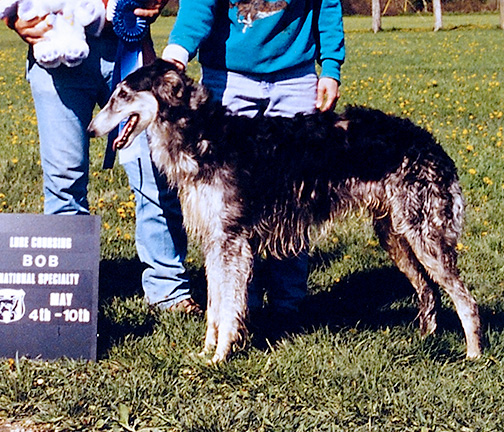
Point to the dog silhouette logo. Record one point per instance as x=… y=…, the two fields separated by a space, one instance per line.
x=12 y=306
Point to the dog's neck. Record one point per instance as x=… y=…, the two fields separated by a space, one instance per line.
x=175 y=137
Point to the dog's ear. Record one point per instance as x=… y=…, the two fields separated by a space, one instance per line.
x=177 y=89
x=172 y=88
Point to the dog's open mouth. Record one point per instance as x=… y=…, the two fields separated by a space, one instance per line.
x=126 y=132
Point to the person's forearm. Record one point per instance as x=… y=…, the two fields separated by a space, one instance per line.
x=192 y=27
x=331 y=38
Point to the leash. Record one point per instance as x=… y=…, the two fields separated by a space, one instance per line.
x=131 y=31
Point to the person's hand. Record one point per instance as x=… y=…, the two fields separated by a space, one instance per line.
x=152 y=9
x=180 y=66
x=177 y=55
x=328 y=93
x=32 y=31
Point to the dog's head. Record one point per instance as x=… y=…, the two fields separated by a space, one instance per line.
x=141 y=97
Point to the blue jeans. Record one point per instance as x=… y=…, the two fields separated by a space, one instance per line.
x=64 y=102
x=281 y=94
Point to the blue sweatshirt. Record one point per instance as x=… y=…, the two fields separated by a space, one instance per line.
x=261 y=36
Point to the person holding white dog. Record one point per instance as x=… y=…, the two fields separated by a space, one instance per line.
x=258 y=57
x=64 y=99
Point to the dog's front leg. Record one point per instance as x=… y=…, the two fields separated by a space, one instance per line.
x=229 y=267
x=213 y=300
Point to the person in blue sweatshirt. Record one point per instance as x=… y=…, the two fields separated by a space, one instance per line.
x=259 y=57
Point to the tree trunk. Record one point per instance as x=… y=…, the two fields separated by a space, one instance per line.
x=501 y=8
x=376 y=11
x=438 y=15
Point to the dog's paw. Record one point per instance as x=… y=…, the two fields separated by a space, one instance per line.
x=217 y=359
x=205 y=353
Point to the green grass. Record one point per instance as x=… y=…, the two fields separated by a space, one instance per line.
x=361 y=365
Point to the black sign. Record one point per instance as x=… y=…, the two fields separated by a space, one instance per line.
x=49 y=285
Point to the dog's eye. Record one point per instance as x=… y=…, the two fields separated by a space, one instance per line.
x=122 y=94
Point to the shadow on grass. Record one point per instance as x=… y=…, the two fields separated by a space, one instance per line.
x=374 y=299
x=123 y=279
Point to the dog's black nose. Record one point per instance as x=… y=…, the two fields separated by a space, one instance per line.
x=91 y=132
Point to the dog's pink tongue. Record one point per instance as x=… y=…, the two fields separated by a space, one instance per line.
x=118 y=143
x=125 y=132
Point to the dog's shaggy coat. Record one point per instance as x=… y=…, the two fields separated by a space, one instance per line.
x=249 y=185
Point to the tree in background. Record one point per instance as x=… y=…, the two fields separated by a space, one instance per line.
x=501 y=9
x=438 y=14
x=376 y=13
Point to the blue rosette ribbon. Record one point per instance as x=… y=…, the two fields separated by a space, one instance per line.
x=127 y=26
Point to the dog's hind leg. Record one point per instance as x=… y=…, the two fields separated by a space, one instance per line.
x=400 y=252
x=441 y=267
x=433 y=242
x=229 y=268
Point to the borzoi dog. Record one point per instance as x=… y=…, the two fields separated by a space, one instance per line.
x=249 y=185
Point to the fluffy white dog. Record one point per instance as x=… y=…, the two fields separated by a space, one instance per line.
x=65 y=43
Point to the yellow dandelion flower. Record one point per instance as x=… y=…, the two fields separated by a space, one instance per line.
x=472 y=171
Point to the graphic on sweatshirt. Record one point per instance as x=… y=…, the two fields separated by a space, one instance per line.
x=253 y=10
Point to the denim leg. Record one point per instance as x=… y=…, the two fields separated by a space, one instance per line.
x=287 y=283
x=64 y=106
x=160 y=237
x=293 y=95
x=288 y=277
x=64 y=101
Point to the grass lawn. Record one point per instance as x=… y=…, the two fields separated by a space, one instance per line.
x=360 y=365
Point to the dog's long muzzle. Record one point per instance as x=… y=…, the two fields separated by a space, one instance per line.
x=94 y=129
x=127 y=128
